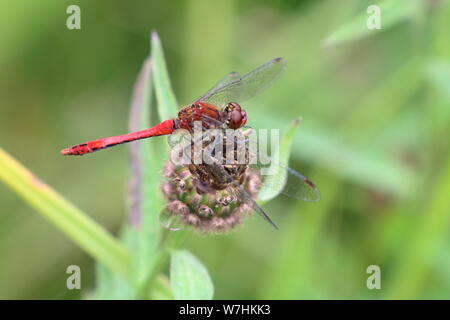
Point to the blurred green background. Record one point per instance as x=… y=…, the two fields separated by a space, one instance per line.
x=374 y=137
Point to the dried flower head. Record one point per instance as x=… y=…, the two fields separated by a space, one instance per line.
x=208 y=211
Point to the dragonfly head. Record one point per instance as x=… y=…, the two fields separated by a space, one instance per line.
x=235 y=116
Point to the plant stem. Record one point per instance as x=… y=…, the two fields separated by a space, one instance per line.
x=171 y=240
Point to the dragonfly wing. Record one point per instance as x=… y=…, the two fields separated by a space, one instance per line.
x=300 y=187
x=238 y=191
x=243 y=195
x=278 y=177
x=232 y=76
x=241 y=89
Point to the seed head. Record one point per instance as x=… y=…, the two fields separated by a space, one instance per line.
x=213 y=211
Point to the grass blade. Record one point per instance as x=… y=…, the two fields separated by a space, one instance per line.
x=79 y=227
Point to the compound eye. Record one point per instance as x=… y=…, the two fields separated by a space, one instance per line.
x=236 y=119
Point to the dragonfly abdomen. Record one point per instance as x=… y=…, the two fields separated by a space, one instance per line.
x=163 y=128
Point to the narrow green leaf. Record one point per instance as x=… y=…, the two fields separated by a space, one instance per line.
x=139 y=120
x=145 y=200
x=392 y=12
x=78 y=226
x=147 y=159
x=189 y=278
x=274 y=184
x=167 y=103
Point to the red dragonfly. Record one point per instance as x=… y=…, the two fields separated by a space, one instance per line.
x=218 y=109
x=230 y=89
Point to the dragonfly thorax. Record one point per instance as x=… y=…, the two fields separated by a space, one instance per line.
x=231 y=116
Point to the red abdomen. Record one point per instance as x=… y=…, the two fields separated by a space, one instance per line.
x=165 y=127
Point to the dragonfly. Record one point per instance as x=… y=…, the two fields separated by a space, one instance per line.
x=222 y=169
x=218 y=105
x=218 y=108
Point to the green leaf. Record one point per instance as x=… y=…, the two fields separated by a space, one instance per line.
x=144 y=184
x=78 y=226
x=161 y=289
x=189 y=278
x=110 y=285
x=146 y=200
x=167 y=103
x=392 y=12
x=275 y=183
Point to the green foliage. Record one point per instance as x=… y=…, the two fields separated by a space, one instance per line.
x=190 y=279
x=392 y=12
x=118 y=275
x=167 y=103
x=144 y=235
x=143 y=188
x=274 y=183
x=65 y=216
x=374 y=139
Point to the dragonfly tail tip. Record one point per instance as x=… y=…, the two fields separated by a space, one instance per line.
x=65 y=152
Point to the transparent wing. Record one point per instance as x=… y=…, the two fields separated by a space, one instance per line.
x=278 y=177
x=243 y=195
x=240 y=89
x=293 y=184
x=229 y=78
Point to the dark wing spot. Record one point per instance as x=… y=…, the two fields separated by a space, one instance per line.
x=310 y=183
